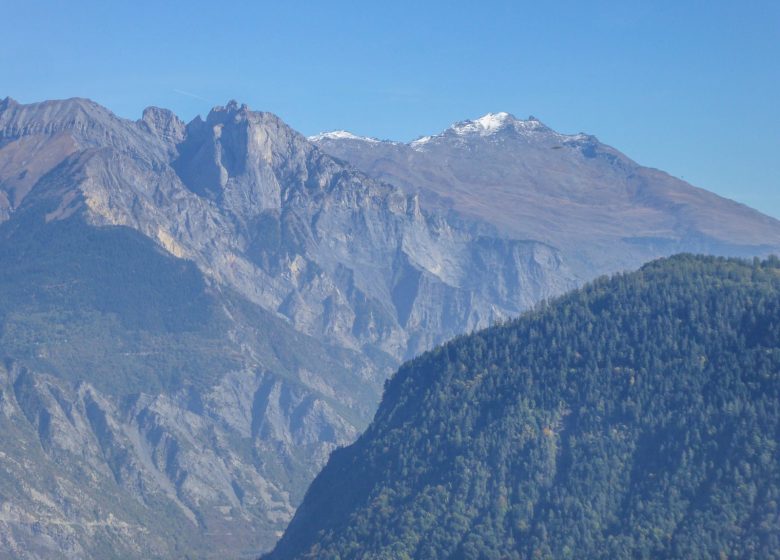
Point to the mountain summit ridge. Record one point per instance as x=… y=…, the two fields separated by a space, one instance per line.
x=486 y=125
x=585 y=198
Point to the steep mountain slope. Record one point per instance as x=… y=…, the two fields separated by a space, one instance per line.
x=602 y=210
x=194 y=315
x=147 y=412
x=638 y=417
x=256 y=206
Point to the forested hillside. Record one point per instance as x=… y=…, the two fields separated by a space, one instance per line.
x=638 y=417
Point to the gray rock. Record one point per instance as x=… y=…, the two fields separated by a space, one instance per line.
x=195 y=315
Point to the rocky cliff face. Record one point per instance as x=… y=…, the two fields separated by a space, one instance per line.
x=259 y=208
x=152 y=476
x=197 y=314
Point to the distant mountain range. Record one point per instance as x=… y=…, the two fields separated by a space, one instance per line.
x=194 y=315
x=602 y=210
x=638 y=417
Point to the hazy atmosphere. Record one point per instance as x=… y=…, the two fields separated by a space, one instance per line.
x=377 y=281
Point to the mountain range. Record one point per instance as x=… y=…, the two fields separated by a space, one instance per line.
x=602 y=210
x=193 y=316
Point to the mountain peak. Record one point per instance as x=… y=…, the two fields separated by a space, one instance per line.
x=5 y=103
x=232 y=109
x=494 y=121
x=341 y=135
x=485 y=126
x=164 y=123
x=234 y=106
x=491 y=123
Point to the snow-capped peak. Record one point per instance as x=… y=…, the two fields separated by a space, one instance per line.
x=420 y=141
x=484 y=125
x=493 y=121
x=340 y=135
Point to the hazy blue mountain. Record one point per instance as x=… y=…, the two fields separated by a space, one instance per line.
x=602 y=210
x=192 y=316
x=638 y=417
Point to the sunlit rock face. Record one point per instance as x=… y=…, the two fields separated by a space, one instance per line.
x=195 y=315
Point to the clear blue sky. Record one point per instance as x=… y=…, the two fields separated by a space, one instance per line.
x=689 y=87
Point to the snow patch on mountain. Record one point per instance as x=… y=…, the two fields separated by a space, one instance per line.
x=494 y=122
x=341 y=135
x=421 y=141
x=486 y=124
